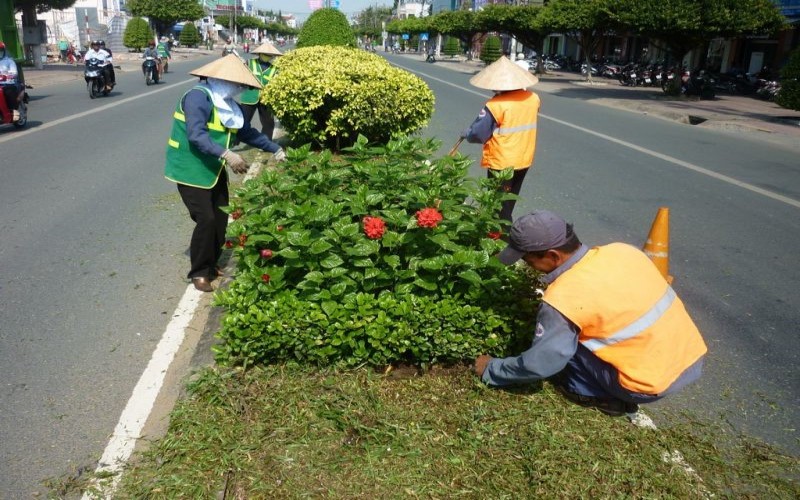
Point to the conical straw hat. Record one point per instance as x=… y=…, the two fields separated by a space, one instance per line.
x=229 y=68
x=503 y=75
x=267 y=48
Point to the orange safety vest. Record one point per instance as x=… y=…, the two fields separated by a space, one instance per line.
x=628 y=316
x=513 y=142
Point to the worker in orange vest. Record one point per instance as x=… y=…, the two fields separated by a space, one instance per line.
x=506 y=126
x=611 y=332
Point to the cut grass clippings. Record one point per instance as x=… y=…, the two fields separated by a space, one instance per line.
x=292 y=432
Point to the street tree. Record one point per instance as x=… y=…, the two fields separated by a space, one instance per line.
x=326 y=26
x=137 y=34
x=164 y=15
x=370 y=20
x=586 y=22
x=680 y=26
x=520 y=21
x=458 y=23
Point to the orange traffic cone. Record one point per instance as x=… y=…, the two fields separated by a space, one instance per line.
x=657 y=245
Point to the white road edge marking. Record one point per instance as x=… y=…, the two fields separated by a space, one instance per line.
x=141 y=402
x=55 y=123
x=675 y=161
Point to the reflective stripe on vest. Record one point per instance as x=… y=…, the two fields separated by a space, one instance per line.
x=640 y=325
x=513 y=142
x=628 y=316
x=185 y=163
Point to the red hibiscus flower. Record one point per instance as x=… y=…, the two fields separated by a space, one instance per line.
x=236 y=213
x=428 y=217
x=495 y=235
x=374 y=227
x=242 y=239
x=265 y=278
x=229 y=244
x=266 y=253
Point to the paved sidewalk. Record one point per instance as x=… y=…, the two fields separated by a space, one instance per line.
x=733 y=113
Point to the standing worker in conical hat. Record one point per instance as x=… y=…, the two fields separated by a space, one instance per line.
x=205 y=120
x=262 y=68
x=506 y=126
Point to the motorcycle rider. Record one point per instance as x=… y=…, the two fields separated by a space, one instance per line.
x=10 y=87
x=96 y=52
x=152 y=51
x=110 y=64
x=163 y=52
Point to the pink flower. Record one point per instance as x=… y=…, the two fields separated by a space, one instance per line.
x=428 y=217
x=266 y=253
x=374 y=227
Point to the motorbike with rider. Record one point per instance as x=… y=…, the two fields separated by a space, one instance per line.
x=98 y=71
x=152 y=67
x=13 y=98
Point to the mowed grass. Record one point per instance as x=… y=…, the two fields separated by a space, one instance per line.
x=293 y=432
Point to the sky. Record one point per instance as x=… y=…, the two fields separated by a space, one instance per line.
x=300 y=7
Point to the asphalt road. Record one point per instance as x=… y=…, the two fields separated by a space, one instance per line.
x=732 y=250
x=93 y=262
x=91 y=269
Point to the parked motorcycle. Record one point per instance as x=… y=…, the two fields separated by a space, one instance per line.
x=150 y=69
x=95 y=79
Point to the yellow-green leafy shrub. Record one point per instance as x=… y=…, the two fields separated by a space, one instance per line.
x=329 y=95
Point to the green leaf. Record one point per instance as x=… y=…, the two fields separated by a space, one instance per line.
x=392 y=260
x=432 y=264
x=427 y=285
x=331 y=261
x=363 y=262
x=363 y=248
x=470 y=276
x=314 y=276
x=298 y=239
x=319 y=246
x=404 y=288
x=338 y=289
x=329 y=307
x=288 y=253
x=336 y=272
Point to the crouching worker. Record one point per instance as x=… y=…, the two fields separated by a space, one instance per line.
x=205 y=119
x=610 y=331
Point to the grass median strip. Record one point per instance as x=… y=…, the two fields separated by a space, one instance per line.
x=292 y=432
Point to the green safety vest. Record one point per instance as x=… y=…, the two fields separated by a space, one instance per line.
x=162 y=49
x=251 y=96
x=185 y=163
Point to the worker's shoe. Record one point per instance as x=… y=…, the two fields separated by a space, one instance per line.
x=202 y=284
x=610 y=406
x=14 y=115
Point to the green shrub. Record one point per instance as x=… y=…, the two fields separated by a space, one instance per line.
x=330 y=95
x=490 y=51
x=137 y=34
x=379 y=256
x=789 y=95
x=326 y=27
x=189 y=35
x=452 y=47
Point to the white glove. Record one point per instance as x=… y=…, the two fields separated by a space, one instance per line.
x=236 y=162
x=279 y=155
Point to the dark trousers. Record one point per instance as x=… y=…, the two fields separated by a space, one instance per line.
x=267 y=120
x=208 y=237
x=513 y=185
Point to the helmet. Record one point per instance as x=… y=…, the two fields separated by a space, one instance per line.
x=95 y=42
x=102 y=43
x=151 y=43
x=2 y=45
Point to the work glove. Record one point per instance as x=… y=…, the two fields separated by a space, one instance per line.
x=279 y=155
x=236 y=162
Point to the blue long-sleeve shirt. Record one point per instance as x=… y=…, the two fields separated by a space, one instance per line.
x=197 y=108
x=555 y=342
x=481 y=129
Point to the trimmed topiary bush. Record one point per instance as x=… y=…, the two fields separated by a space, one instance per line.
x=137 y=34
x=452 y=46
x=189 y=35
x=490 y=52
x=330 y=95
x=326 y=27
x=376 y=256
x=789 y=95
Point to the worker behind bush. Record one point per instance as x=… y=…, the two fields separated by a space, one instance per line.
x=205 y=119
x=610 y=331
x=262 y=68
x=506 y=126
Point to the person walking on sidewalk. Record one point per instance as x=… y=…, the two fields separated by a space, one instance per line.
x=610 y=329
x=506 y=126
x=204 y=120
x=262 y=68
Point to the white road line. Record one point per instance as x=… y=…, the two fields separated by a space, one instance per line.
x=675 y=161
x=111 y=104
x=141 y=402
